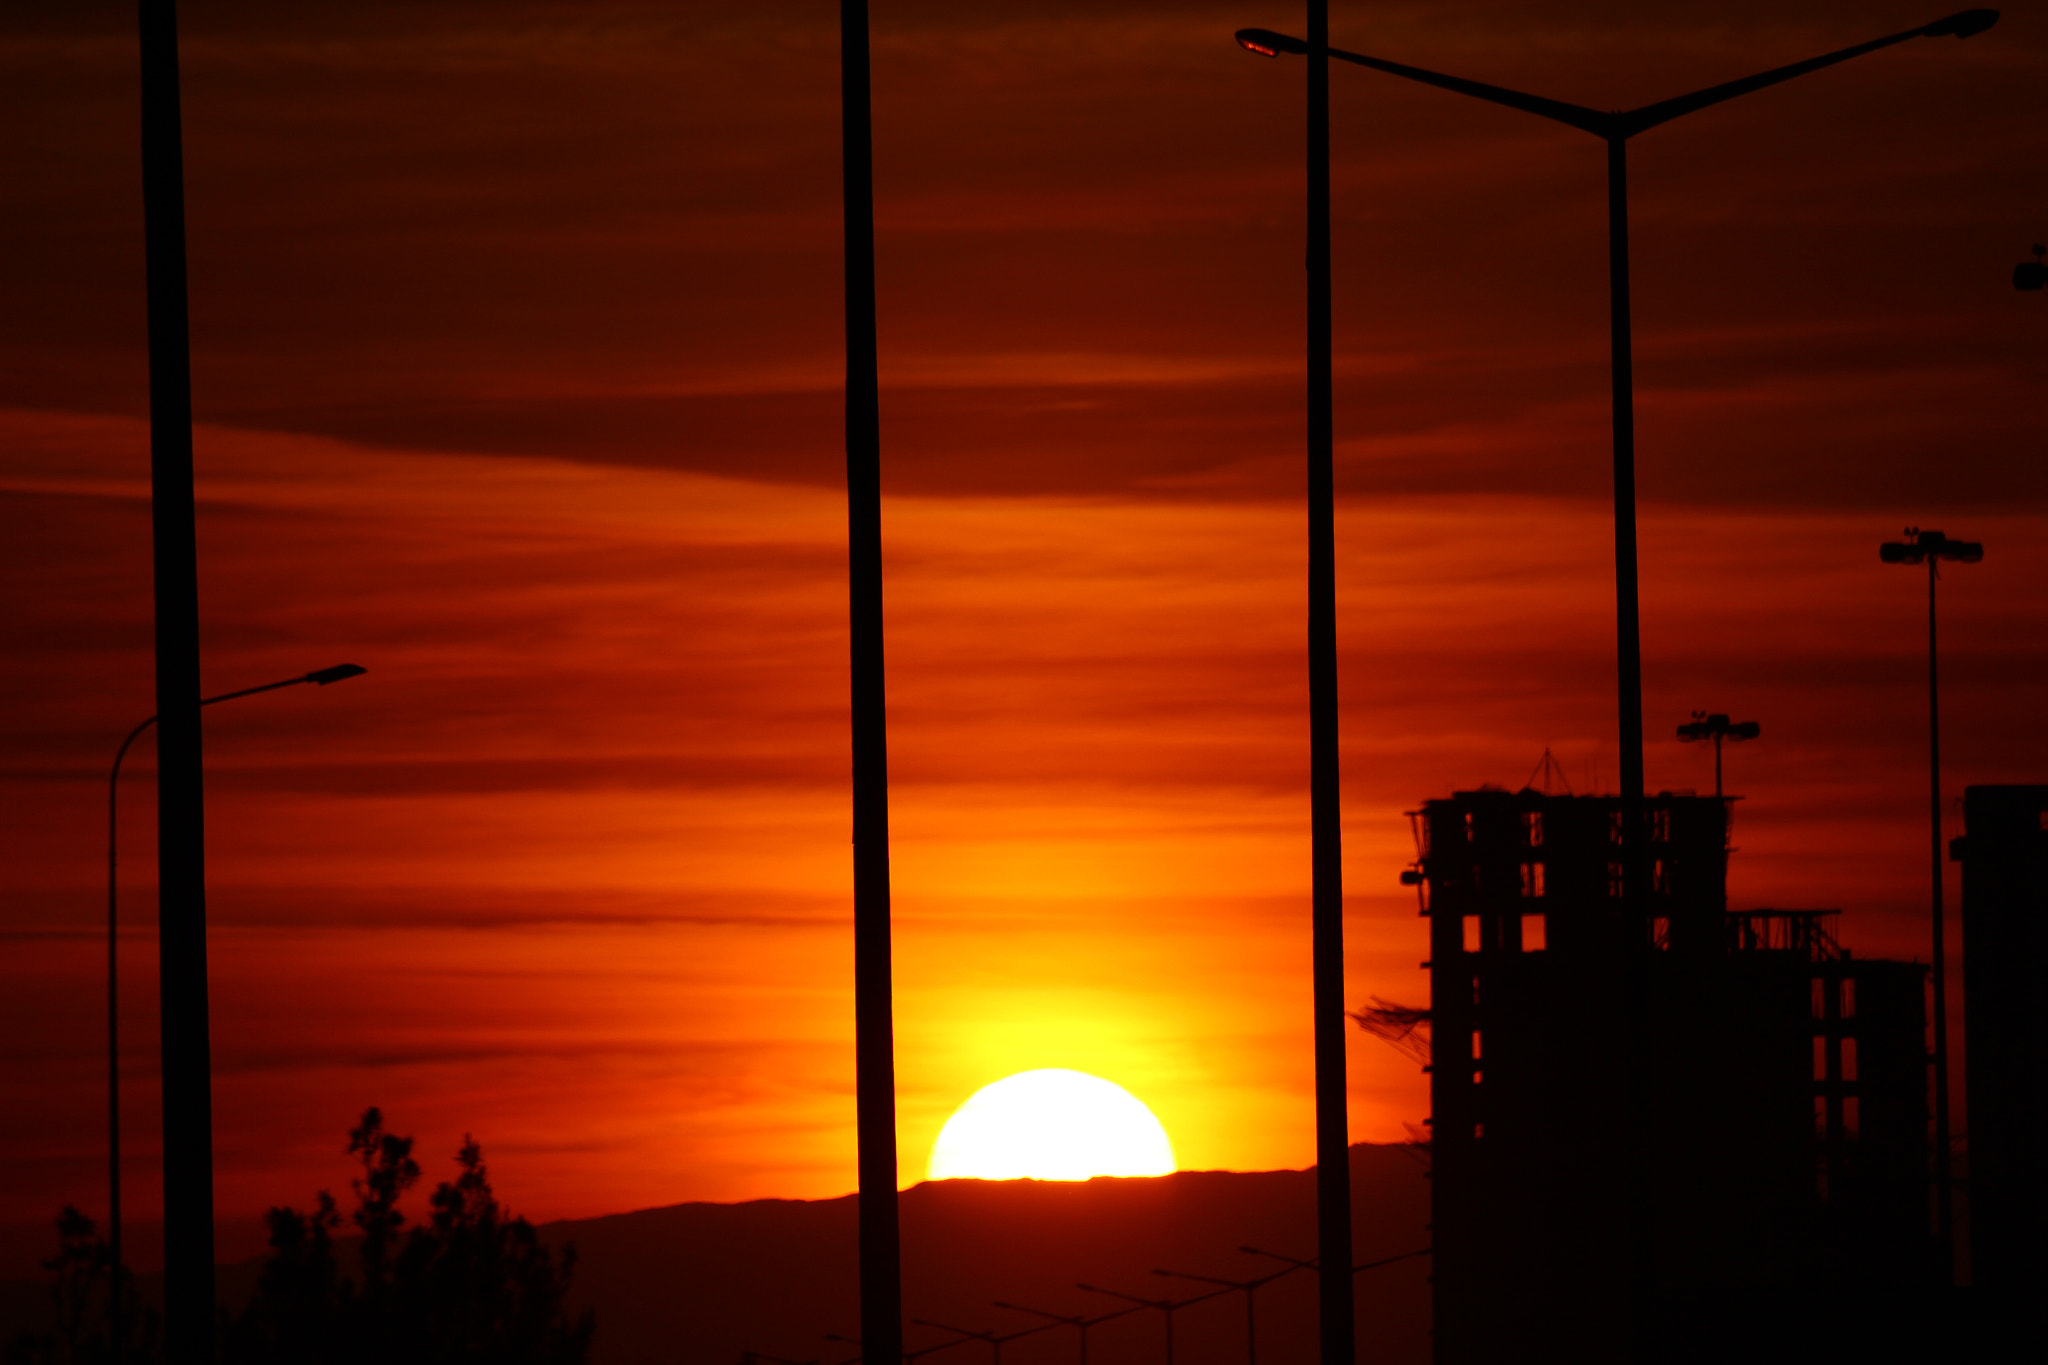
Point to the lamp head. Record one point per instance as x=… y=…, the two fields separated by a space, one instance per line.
x=1967 y=24
x=335 y=674
x=1267 y=43
x=2032 y=274
x=1747 y=729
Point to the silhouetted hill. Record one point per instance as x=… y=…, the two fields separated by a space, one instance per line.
x=697 y=1284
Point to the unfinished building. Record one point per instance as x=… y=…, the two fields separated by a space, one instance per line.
x=1692 y=1130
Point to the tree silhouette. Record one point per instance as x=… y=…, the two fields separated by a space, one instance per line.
x=471 y=1286
x=82 y=1275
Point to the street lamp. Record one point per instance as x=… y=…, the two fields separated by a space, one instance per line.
x=1082 y=1324
x=319 y=678
x=1615 y=129
x=1251 y=1302
x=1930 y=548
x=1167 y=1307
x=995 y=1341
x=1717 y=728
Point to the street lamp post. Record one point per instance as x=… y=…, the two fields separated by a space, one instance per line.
x=321 y=678
x=1615 y=129
x=1080 y=1324
x=1717 y=727
x=1166 y=1307
x=1930 y=548
x=1250 y=1289
x=881 y=1264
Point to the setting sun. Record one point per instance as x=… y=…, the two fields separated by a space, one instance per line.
x=1053 y=1124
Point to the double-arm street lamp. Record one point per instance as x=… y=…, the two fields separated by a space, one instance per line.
x=1930 y=548
x=319 y=678
x=1166 y=1307
x=1615 y=129
x=1080 y=1324
x=1250 y=1289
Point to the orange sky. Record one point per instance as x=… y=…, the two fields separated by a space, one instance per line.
x=516 y=341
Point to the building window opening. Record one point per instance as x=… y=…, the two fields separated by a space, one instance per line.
x=1532 y=879
x=1820 y=1058
x=1471 y=933
x=1848 y=1059
x=1535 y=933
x=1848 y=997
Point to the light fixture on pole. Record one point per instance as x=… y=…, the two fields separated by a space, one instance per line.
x=1717 y=727
x=319 y=678
x=1930 y=548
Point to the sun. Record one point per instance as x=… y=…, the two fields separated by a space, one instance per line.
x=1053 y=1124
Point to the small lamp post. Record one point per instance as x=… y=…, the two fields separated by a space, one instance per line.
x=1250 y=1289
x=1166 y=1307
x=1717 y=728
x=1930 y=548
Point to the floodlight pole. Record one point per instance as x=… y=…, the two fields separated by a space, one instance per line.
x=881 y=1269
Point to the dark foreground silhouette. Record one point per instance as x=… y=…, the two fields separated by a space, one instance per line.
x=471 y=1285
x=698 y=1284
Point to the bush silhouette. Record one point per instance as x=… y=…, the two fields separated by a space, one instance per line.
x=471 y=1286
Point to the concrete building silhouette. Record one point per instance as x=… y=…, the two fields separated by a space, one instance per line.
x=2004 y=853
x=1734 y=1090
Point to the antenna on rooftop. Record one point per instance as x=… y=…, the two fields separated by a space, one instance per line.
x=1548 y=769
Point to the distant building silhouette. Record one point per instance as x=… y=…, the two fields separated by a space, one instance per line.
x=1782 y=1084
x=2004 y=853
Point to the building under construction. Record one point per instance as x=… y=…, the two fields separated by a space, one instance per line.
x=1684 y=1137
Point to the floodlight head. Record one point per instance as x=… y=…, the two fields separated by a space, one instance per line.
x=1892 y=552
x=1962 y=551
x=1747 y=729
x=1967 y=24
x=1267 y=43
x=335 y=674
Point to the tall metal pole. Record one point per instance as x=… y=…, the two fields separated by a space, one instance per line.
x=1628 y=664
x=1944 y=1191
x=181 y=826
x=1333 y=1143
x=881 y=1288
